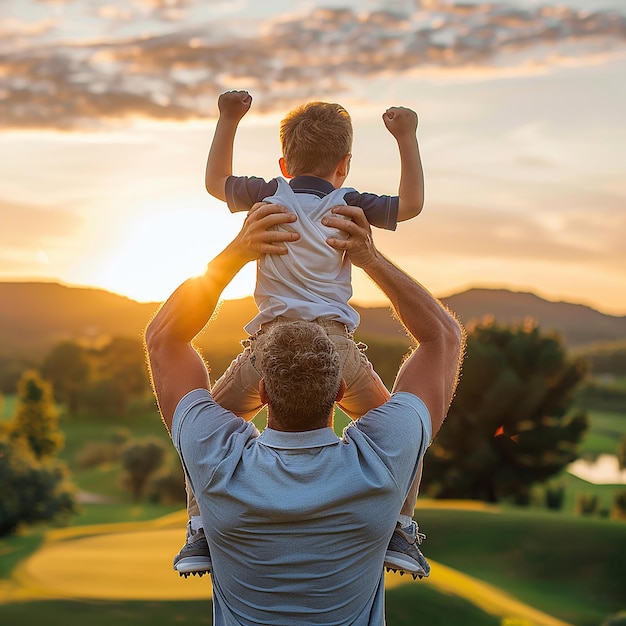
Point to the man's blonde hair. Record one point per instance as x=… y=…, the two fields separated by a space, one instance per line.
x=315 y=137
x=301 y=371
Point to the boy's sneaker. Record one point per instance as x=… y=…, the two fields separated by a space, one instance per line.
x=403 y=554
x=194 y=557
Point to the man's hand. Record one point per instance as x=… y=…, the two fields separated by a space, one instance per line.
x=258 y=234
x=400 y=121
x=359 y=244
x=234 y=104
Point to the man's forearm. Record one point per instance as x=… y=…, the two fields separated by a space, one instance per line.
x=190 y=307
x=431 y=371
x=421 y=313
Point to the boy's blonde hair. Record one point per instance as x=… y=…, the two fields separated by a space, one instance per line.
x=315 y=137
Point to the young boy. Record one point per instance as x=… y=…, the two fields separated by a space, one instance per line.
x=312 y=282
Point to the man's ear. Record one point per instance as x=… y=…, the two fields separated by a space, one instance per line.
x=262 y=391
x=340 y=391
x=283 y=168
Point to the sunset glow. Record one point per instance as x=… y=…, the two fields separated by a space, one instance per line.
x=107 y=118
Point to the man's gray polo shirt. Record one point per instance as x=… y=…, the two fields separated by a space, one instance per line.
x=298 y=523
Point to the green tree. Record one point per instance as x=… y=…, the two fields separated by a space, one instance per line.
x=140 y=459
x=30 y=490
x=102 y=380
x=511 y=424
x=67 y=368
x=34 y=484
x=36 y=419
x=167 y=486
x=122 y=369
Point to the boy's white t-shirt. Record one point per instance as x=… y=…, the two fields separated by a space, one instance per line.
x=313 y=280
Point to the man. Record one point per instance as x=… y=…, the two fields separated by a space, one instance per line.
x=297 y=520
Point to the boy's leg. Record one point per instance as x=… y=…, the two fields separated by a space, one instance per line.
x=403 y=553
x=364 y=388
x=238 y=391
x=408 y=507
x=238 y=388
x=194 y=557
x=365 y=391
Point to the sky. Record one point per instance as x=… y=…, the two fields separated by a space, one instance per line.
x=107 y=111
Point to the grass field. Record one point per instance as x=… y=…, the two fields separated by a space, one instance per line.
x=404 y=608
x=604 y=434
x=570 y=569
x=99 y=564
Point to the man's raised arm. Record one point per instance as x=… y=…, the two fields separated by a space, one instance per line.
x=432 y=370
x=175 y=366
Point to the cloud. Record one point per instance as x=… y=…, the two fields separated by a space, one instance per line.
x=469 y=233
x=34 y=226
x=82 y=84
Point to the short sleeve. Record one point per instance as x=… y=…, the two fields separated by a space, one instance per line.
x=380 y=211
x=204 y=433
x=399 y=432
x=244 y=191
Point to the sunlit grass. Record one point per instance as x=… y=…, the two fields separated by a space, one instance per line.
x=570 y=567
x=100 y=563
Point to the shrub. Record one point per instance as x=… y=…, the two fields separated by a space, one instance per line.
x=587 y=504
x=167 y=487
x=555 y=496
x=619 y=505
x=97 y=453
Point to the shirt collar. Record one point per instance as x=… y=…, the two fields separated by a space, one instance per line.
x=311 y=184
x=317 y=438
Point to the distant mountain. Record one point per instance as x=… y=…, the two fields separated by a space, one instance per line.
x=36 y=316
x=579 y=325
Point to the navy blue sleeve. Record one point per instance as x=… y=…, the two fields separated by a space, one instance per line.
x=381 y=211
x=244 y=191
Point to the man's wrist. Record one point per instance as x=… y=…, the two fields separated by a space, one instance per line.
x=222 y=269
x=374 y=260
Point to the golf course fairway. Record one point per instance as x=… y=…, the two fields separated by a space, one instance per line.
x=132 y=561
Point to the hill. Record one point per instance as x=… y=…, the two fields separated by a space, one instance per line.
x=35 y=316
x=578 y=324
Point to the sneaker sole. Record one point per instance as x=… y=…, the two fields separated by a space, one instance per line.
x=397 y=561
x=191 y=564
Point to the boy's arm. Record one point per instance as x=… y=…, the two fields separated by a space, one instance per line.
x=233 y=105
x=402 y=124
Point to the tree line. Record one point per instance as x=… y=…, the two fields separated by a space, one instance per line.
x=513 y=423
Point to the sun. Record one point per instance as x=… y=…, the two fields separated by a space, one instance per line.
x=156 y=252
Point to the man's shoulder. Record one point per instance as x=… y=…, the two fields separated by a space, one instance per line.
x=197 y=411
x=191 y=399
x=403 y=416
